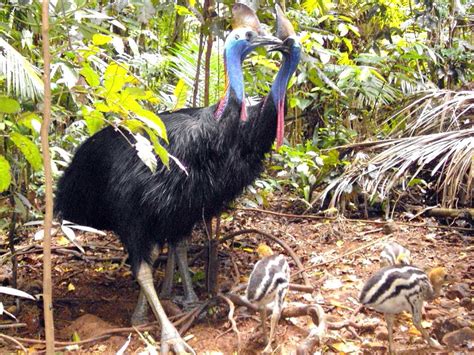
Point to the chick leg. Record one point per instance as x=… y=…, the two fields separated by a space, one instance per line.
x=390 y=318
x=181 y=251
x=417 y=322
x=170 y=338
x=263 y=318
x=276 y=313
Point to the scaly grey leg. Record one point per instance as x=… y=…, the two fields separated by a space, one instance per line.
x=140 y=314
x=181 y=250
x=167 y=284
x=170 y=338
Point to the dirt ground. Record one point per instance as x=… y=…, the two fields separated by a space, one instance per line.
x=95 y=292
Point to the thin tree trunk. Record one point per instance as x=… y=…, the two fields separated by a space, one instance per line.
x=48 y=218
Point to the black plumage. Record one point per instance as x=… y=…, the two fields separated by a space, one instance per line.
x=107 y=186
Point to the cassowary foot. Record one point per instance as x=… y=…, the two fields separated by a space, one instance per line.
x=170 y=339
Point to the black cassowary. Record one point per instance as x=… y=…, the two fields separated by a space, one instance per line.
x=107 y=186
x=264 y=123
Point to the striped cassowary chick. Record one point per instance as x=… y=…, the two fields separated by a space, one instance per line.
x=398 y=288
x=393 y=254
x=269 y=283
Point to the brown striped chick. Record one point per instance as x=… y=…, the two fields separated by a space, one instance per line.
x=269 y=283
x=398 y=288
x=393 y=254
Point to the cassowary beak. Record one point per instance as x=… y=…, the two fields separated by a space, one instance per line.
x=265 y=40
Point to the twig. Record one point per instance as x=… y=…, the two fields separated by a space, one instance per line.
x=230 y=316
x=317 y=334
x=345 y=254
x=12 y=325
x=309 y=216
x=285 y=246
x=13 y=340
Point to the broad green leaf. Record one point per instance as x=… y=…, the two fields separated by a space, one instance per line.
x=8 y=105
x=99 y=39
x=180 y=92
x=115 y=77
x=5 y=175
x=90 y=75
x=29 y=150
x=153 y=121
x=94 y=120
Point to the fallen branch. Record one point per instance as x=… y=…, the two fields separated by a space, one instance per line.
x=285 y=246
x=12 y=325
x=230 y=316
x=15 y=341
x=316 y=334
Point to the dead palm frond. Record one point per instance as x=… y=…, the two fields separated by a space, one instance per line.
x=434 y=111
x=22 y=78
x=446 y=157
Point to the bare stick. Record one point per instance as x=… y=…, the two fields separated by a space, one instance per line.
x=285 y=246
x=13 y=340
x=12 y=325
x=230 y=316
x=316 y=334
x=48 y=218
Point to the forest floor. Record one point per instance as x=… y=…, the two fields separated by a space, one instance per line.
x=94 y=294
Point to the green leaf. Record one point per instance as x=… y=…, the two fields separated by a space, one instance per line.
x=5 y=175
x=94 y=120
x=29 y=150
x=99 y=39
x=90 y=75
x=115 y=77
x=180 y=92
x=8 y=105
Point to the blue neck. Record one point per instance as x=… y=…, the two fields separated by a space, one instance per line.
x=288 y=67
x=235 y=76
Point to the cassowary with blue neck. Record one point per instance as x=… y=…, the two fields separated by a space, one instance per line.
x=107 y=186
x=261 y=124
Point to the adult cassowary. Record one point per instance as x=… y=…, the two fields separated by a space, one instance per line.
x=107 y=186
x=264 y=123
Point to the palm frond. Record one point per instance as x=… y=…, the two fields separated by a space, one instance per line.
x=434 y=111
x=22 y=78
x=444 y=158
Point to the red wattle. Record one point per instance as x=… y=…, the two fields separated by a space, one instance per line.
x=280 y=122
x=243 y=112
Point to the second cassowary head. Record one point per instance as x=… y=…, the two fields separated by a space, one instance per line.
x=291 y=51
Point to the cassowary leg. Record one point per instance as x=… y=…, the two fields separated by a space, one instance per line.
x=190 y=296
x=140 y=314
x=167 y=283
x=170 y=338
